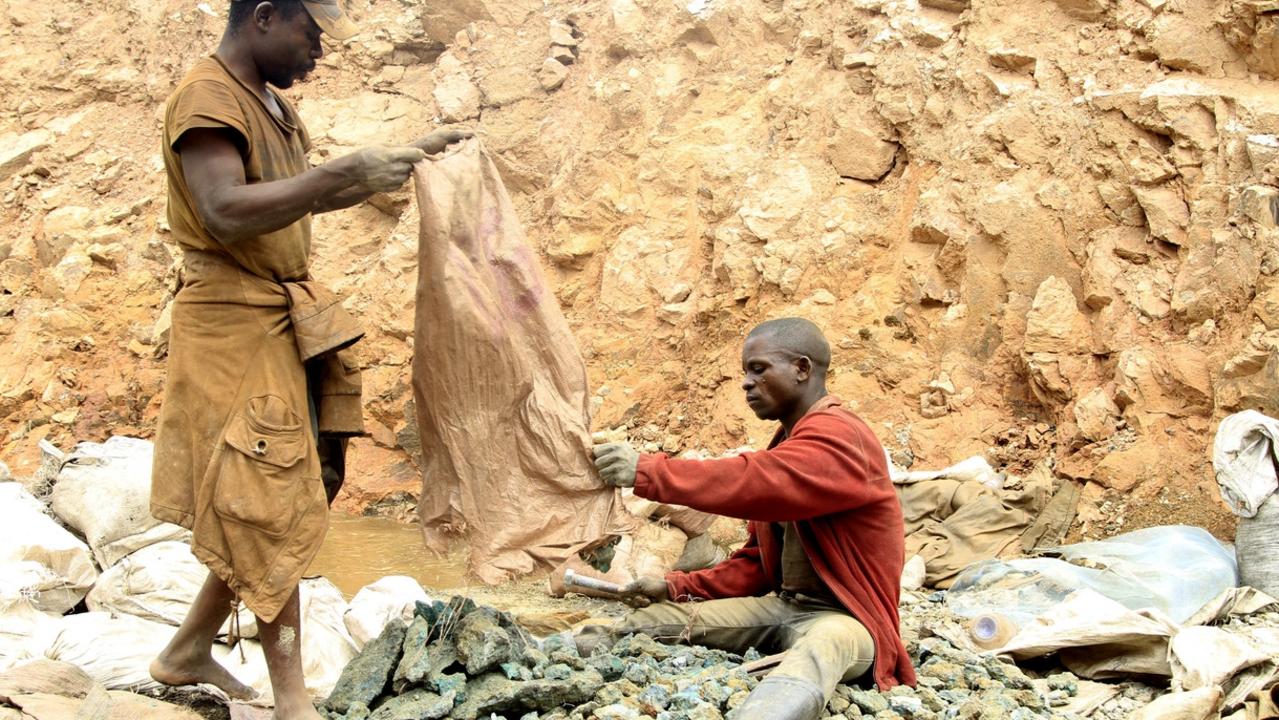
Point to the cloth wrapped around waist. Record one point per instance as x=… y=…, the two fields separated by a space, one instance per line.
x=323 y=330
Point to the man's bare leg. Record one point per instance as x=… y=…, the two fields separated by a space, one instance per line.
x=282 y=645
x=188 y=658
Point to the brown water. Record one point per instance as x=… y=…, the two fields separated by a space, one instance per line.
x=359 y=550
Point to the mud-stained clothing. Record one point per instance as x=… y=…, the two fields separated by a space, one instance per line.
x=273 y=148
x=824 y=645
x=236 y=457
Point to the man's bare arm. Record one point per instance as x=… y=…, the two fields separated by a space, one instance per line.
x=430 y=144
x=234 y=211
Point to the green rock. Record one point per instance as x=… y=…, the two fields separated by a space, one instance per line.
x=515 y=671
x=869 y=702
x=415 y=662
x=1066 y=682
x=367 y=676
x=610 y=666
x=559 y=671
x=639 y=645
x=654 y=699
x=715 y=692
x=571 y=659
x=450 y=683
x=414 y=705
x=493 y=693
x=482 y=643
x=609 y=695
x=907 y=707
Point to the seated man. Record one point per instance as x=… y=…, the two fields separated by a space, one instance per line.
x=820 y=575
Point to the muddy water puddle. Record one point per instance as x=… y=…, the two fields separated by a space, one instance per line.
x=358 y=550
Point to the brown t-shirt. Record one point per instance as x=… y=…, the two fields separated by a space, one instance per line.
x=272 y=148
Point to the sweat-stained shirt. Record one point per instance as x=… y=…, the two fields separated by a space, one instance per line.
x=272 y=148
x=830 y=478
x=236 y=456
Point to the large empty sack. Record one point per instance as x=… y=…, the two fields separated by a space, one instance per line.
x=500 y=388
x=159 y=583
x=40 y=562
x=25 y=632
x=376 y=604
x=1244 y=456
x=114 y=650
x=104 y=491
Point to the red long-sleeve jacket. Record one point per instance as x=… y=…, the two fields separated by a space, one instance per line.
x=831 y=478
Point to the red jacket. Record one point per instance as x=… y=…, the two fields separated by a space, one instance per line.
x=830 y=477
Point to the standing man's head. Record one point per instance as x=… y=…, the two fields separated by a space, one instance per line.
x=785 y=363
x=283 y=36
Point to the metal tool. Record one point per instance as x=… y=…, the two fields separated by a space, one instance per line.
x=572 y=579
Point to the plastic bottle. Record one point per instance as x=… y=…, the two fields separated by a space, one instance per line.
x=991 y=630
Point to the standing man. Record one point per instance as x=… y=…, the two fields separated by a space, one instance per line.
x=261 y=391
x=820 y=575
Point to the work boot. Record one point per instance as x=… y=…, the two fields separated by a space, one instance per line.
x=782 y=698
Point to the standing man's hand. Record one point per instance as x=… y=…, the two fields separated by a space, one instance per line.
x=616 y=463
x=383 y=169
x=644 y=591
x=440 y=139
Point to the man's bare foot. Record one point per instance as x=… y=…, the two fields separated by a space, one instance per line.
x=170 y=670
x=296 y=709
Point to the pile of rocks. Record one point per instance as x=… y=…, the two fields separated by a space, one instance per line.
x=464 y=661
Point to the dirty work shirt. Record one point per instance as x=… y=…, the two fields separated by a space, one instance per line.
x=235 y=454
x=798 y=575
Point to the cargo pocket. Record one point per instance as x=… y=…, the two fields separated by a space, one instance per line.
x=260 y=468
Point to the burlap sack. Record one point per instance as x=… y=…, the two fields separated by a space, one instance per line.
x=500 y=388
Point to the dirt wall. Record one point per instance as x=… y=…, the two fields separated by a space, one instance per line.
x=1032 y=229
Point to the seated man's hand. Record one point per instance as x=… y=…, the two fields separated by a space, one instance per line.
x=616 y=463
x=642 y=592
x=440 y=139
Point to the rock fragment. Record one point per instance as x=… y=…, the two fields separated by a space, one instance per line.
x=858 y=153
x=367 y=676
x=1166 y=213
x=552 y=75
x=16 y=150
x=417 y=704
x=947 y=5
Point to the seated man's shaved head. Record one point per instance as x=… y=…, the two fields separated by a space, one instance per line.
x=798 y=336
x=784 y=364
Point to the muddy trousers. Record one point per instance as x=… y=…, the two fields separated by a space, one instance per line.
x=824 y=645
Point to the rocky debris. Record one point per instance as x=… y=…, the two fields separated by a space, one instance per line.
x=639 y=677
x=901 y=155
x=947 y=5
x=460 y=660
x=366 y=677
x=1084 y=9
x=858 y=153
x=1096 y=414
x=552 y=75
x=1166 y=213
x=16 y=150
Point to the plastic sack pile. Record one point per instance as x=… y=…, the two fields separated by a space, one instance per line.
x=1243 y=455
x=137 y=578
